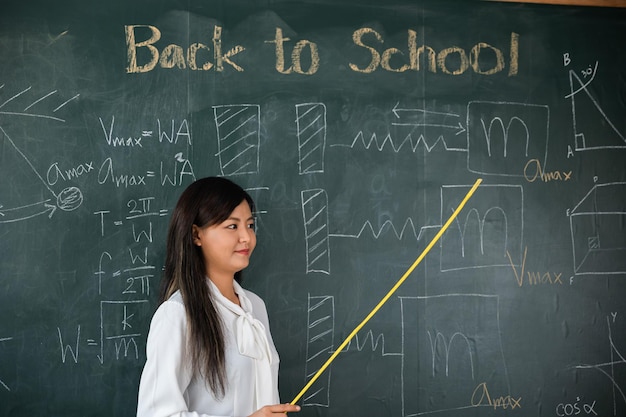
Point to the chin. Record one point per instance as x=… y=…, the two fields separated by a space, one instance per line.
x=242 y=266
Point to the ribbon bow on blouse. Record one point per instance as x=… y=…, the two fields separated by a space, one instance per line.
x=252 y=341
x=251 y=338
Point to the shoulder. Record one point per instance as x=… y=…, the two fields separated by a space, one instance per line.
x=253 y=297
x=168 y=329
x=258 y=305
x=176 y=298
x=171 y=310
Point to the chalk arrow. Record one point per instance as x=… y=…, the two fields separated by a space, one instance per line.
x=11 y=215
x=436 y=119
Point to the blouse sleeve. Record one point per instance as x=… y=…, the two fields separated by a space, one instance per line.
x=167 y=372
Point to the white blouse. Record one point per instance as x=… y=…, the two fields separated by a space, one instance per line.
x=170 y=387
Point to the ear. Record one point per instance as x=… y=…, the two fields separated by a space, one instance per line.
x=195 y=232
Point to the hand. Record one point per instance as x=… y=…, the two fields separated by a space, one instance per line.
x=272 y=410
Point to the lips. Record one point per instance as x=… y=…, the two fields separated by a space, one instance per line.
x=245 y=252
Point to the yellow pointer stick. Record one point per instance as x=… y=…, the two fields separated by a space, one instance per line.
x=390 y=293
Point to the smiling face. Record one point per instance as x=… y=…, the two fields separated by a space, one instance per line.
x=227 y=246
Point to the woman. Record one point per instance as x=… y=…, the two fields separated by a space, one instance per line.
x=209 y=349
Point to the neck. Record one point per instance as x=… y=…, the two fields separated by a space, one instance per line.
x=225 y=284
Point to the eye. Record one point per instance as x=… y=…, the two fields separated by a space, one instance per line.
x=232 y=226
x=252 y=226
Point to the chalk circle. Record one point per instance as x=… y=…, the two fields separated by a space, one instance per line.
x=70 y=199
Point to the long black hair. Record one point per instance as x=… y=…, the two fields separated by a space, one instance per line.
x=206 y=202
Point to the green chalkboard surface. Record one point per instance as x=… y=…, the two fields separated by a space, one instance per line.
x=358 y=127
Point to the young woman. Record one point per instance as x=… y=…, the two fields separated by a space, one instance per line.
x=209 y=349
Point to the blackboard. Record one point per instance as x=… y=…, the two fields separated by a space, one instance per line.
x=357 y=126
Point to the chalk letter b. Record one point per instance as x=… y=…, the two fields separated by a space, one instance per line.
x=132 y=46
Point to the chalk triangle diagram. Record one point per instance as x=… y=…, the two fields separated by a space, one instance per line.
x=22 y=193
x=594 y=128
x=597 y=226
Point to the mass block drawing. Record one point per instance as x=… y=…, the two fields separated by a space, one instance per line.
x=238 y=138
x=491 y=224
x=311 y=124
x=320 y=343
x=451 y=342
x=597 y=230
x=503 y=137
x=315 y=213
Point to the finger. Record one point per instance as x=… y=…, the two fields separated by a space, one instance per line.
x=285 y=408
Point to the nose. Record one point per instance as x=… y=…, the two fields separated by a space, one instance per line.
x=244 y=235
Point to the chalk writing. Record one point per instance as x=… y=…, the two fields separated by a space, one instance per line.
x=534 y=171
x=180 y=131
x=296 y=61
x=435 y=60
x=576 y=408
x=481 y=397
x=181 y=168
x=534 y=278
x=197 y=56
x=174 y=55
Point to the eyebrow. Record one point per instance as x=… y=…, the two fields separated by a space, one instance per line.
x=233 y=218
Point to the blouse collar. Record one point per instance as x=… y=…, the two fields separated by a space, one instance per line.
x=250 y=333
